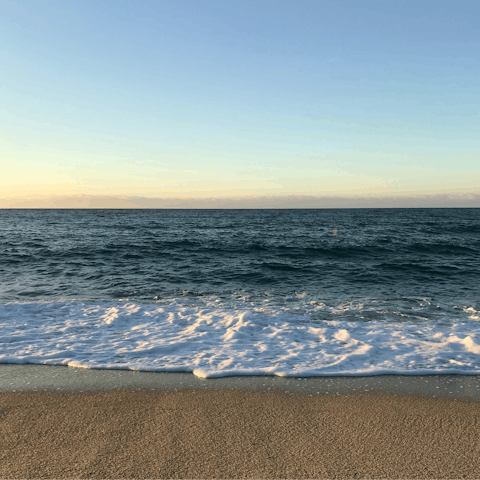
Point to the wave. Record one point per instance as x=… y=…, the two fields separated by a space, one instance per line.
x=209 y=340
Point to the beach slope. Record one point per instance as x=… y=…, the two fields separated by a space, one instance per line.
x=237 y=434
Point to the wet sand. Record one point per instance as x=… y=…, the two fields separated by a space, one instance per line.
x=49 y=378
x=235 y=428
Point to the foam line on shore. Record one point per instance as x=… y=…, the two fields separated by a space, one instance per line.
x=215 y=341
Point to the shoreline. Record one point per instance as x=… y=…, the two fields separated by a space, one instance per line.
x=64 y=422
x=50 y=378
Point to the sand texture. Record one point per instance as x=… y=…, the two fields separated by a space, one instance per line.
x=236 y=434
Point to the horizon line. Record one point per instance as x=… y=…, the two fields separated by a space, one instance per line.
x=237 y=202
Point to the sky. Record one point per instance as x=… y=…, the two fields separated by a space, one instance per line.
x=239 y=99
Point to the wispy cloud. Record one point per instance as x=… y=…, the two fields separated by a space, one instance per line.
x=246 y=201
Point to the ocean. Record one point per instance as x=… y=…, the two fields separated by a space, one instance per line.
x=243 y=292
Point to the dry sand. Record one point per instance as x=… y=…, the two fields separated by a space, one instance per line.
x=237 y=434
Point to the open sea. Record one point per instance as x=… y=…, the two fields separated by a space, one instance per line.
x=243 y=292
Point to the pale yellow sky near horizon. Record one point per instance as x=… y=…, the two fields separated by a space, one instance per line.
x=333 y=175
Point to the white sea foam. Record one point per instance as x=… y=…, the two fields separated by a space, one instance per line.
x=212 y=342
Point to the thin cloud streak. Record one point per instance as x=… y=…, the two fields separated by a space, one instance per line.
x=242 y=202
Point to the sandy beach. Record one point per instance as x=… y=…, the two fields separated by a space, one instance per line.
x=232 y=432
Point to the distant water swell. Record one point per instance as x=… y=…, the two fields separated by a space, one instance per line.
x=243 y=292
x=107 y=255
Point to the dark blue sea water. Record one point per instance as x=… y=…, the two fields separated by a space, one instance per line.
x=140 y=254
x=390 y=265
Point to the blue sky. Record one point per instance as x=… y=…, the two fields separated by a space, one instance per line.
x=230 y=98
